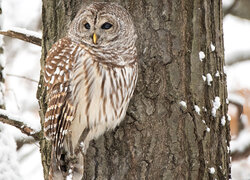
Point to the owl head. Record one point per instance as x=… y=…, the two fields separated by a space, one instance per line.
x=102 y=25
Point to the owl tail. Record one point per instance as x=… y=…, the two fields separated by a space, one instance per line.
x=64 y=166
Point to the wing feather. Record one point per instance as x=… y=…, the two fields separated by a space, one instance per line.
x=60 y=111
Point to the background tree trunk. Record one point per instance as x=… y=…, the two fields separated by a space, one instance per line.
x=160 y=138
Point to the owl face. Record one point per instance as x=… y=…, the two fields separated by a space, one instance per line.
x=101 y=24
x=98 y=29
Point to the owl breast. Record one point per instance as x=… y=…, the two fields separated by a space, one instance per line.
x=101 y=93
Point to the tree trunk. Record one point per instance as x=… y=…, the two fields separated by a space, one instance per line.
x=161 y=138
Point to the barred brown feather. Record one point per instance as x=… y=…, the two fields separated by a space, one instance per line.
x=57 y=78
x=89 y=84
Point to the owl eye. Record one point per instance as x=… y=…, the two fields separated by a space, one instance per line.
x=87 y=26
x=106 y=25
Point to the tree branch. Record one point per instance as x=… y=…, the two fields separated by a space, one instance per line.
x=23 y=77
x=21 y=142
x=8 y=119
x=230 y=8
x=241 y=57
x=22 y=36
x=239 y=9
x=238 y=155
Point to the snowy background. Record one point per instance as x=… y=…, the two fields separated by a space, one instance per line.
x=23 y=60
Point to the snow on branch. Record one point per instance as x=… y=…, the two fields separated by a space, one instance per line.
x=23 y=34
x=7 y=118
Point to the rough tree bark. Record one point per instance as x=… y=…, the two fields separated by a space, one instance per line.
x=160 y=138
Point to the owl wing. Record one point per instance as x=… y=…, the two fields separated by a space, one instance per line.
x=57 y=76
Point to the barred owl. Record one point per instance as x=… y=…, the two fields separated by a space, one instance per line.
x=90 y=76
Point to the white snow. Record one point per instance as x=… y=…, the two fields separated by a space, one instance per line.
x=204 y=78
x=212 y=47
x=238 y=76
x=213 y=112
x=228 y=117
x=211 y=170
x=208 y=129
x=4 y=73
x=201 y=55
x=227 y=3
x=217 y=74
x=244 y=119
x=241 y=142
x=236 y=98
x=235 y=44
x=24 y=31
x=2 y=86
x=2 y=99
x=209 y=79
x=216 y=105
x=223 y=121
x=13 y=117
x=205 y=109
x=24 y=14
x=225 y=70
x=23 y=59
x=70 y=175
x=236 y=40
x=30 y=162
x=184 y=104
x=9 y=166
x=240 y=169
x=2 y=60
x=197 y=109
x=9 y=115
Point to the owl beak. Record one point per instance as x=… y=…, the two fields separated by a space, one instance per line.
x=94 y=38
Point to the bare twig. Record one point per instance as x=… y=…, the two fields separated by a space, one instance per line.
x=23 y=77
x=230 y=8
x=4 y=118
x=241 y=57
x=22 y=36
x=21 y=142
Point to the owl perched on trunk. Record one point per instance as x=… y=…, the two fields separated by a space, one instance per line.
x=90 y=77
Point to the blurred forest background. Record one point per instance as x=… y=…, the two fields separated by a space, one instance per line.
x=22 y=68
